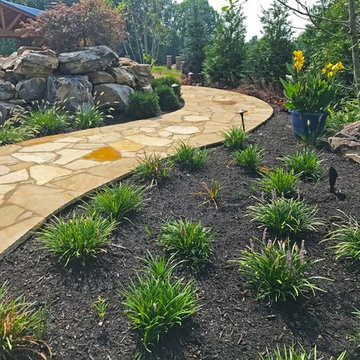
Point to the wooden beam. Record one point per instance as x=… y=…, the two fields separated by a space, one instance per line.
x=3 y=25
x=8 y=33
x=16 y=19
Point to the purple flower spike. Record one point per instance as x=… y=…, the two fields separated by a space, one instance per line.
x=288 y=259
x=252 y=245
x=264 y=234
x=302 y=250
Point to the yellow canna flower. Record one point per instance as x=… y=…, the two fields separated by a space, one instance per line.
x=330 y=74
x=299 y=60
x=338 y=66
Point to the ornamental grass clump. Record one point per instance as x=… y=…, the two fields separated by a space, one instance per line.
x=86 y=118
x=188 y=239
x=10 y=134
x=306 y=164
x=22 y=328
x=236 y=139
x=152 y=168
x=282 y=181
x=118 y=202
x=78 y=239
x=250 y=158
x=285 y=216
x=156 y=302
x=346 y=236
x=189 y=157
x=277 y=271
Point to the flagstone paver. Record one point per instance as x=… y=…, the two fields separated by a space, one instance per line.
x=40 y=176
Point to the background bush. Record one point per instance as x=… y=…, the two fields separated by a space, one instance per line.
x=143 y=105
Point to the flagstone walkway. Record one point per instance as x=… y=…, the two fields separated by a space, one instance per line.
x=40 y=176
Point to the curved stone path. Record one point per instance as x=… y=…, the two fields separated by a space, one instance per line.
x=40 y=176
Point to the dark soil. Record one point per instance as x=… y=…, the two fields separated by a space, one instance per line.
x=231 y=324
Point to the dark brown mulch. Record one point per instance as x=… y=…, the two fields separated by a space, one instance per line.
x=231 y=324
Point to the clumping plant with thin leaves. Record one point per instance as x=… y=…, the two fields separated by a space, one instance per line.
x=101 y=305
x=306 y=164
x=296 y=353
x=152 y=168
x=118 y=202
x=91 y=117
x=188 y=239
x=346 y=236
x=236 y=139
x=277 y=271
x=22 y=327
x=210 y=193
x=189 y=157
x=284 y=216
x=284 y=182
x=10 y=134
x=76 y=240
x=155 y=302
x=251 y=157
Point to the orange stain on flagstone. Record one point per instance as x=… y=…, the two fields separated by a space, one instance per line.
x=103 y=154
x=225 y=102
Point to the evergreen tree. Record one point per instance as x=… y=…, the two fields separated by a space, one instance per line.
x=225 y=59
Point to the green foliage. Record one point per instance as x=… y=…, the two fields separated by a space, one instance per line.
x=163 y=71
x=225 y=58
x=236 y=139
x=293 y=353
x=281 y=181
x=168 y=100
x=251 y=157
x=285 y=217
x=189 y=157
x=153 y=168
x=10 y=134
x=7 y=46
x=101 y=305
x=306 y=164
x=210 y=193
x=143 y=105
x=76 y=240
x=167 y=81
x=346 y=237
x=118 y=202
x=21 y=325
x=188 y=239
x=277 y=271
x=156 y=303
x=91 y=117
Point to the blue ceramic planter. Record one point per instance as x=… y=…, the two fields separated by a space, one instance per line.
x=307 y=125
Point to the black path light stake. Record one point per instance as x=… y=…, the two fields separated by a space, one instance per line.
x=333 y=175
x=241 y=112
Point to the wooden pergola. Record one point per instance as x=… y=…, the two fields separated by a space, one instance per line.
x=12 y=15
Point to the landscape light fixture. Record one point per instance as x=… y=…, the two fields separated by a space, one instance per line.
x=241 y=112
x=176 y=88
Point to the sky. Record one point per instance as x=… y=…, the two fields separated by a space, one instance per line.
x=252 y=10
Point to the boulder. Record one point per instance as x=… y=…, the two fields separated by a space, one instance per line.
x=9 y=61
x=31 y=89
x=100 y=77
x=10 y=108
x=147 y=88
x=7 y=90
x=142 y=72
x=123 y=77
x=87 y=60
x=114 y=95
x=74 y=91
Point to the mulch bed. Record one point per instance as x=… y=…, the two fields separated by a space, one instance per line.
x=231 y=324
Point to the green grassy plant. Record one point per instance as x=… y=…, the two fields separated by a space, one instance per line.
x=236 y=139
x=21 y=326
x=118 y=202
x=285 y=217
x=101 y=305
x=143 y=105
x=282 y=181
x=306 y=164
x=163 y=71
x=168 y=100
x=251 y=157
x=277 y=271
x=155 y=302
x=189 y=157
x=76 y=240
x=10 y=134
x=190 y=240
x=210 y=193
x=152 y=168
x=346 y=236
x=86 y=118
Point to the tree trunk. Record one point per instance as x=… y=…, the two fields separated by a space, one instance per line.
x=355 y=47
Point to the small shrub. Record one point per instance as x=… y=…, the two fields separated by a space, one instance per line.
x=155 y=302
x=285 y=217
x=86 y=118
x=168 y=100
x=282 y=181
x=250 y=158
x=291 y=353
x=21 y=325
x=236 y=139
x=190 y=240
x=153 y=168
x=347 y=238
x=210 y=193
x=78 y=239
x=167 y=81
x=190 y=157
x=117 y=202
x=306 y=164
x=143 y=105
x=277 y=271
x=9 y=134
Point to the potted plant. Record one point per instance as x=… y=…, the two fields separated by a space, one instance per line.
x=310 y=94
